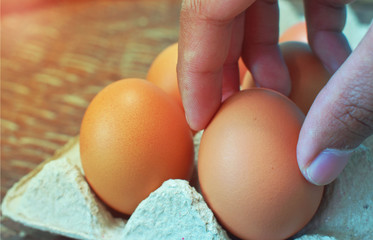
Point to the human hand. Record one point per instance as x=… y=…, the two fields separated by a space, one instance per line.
x=341 y=117
x=214 y=34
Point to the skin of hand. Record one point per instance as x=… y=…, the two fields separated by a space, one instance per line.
x=340 y=118
x=215 y=33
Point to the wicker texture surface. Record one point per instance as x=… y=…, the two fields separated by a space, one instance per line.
x=55 y=57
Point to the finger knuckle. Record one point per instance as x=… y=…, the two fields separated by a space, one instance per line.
x=194 y=6
x=354 y=109
x=201 y=11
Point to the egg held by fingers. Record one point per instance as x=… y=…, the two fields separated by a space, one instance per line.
x=133 y=137
x=307 y=73
x=248 y=169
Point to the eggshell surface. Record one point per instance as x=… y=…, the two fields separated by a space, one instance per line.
x=296 y=32
x=162 y=72
x=248 y=170
x=242 y=69
x=308 y=75
x=133 y=137
x=248 y=81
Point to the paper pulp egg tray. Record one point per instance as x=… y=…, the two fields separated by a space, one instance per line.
x=55 y=197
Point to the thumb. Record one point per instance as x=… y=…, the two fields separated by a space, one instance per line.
x=340 y=119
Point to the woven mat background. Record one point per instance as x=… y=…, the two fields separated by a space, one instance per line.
x=55 y=56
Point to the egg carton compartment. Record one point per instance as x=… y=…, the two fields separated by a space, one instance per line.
x=55 y=197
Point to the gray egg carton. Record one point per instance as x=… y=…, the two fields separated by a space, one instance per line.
x=55 y=197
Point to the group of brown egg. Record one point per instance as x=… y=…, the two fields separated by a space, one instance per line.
x=134 y=136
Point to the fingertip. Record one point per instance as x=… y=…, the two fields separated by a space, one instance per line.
x=326 y=166
x=196 y=122
x=319 y=163
x=277 y=78
x=340 y=118
x=193 y=122
x=200 y=108
x=282 y=86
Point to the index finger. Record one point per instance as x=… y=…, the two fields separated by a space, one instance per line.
x=205 y=37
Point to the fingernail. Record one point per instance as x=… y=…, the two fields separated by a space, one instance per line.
x=327 y=166
x=188 y=121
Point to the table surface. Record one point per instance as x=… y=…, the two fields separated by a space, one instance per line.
x=55 y=57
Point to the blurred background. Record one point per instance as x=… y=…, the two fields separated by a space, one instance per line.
x=57 y=54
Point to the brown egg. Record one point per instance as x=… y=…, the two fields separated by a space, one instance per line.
x=133 y=137
x=308 y=75
x=247 y=81
x=248 y=170
x=296 y=32
x=242 y=69
x=162 y=72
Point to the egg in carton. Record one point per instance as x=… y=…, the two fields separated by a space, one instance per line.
x=55 y=197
